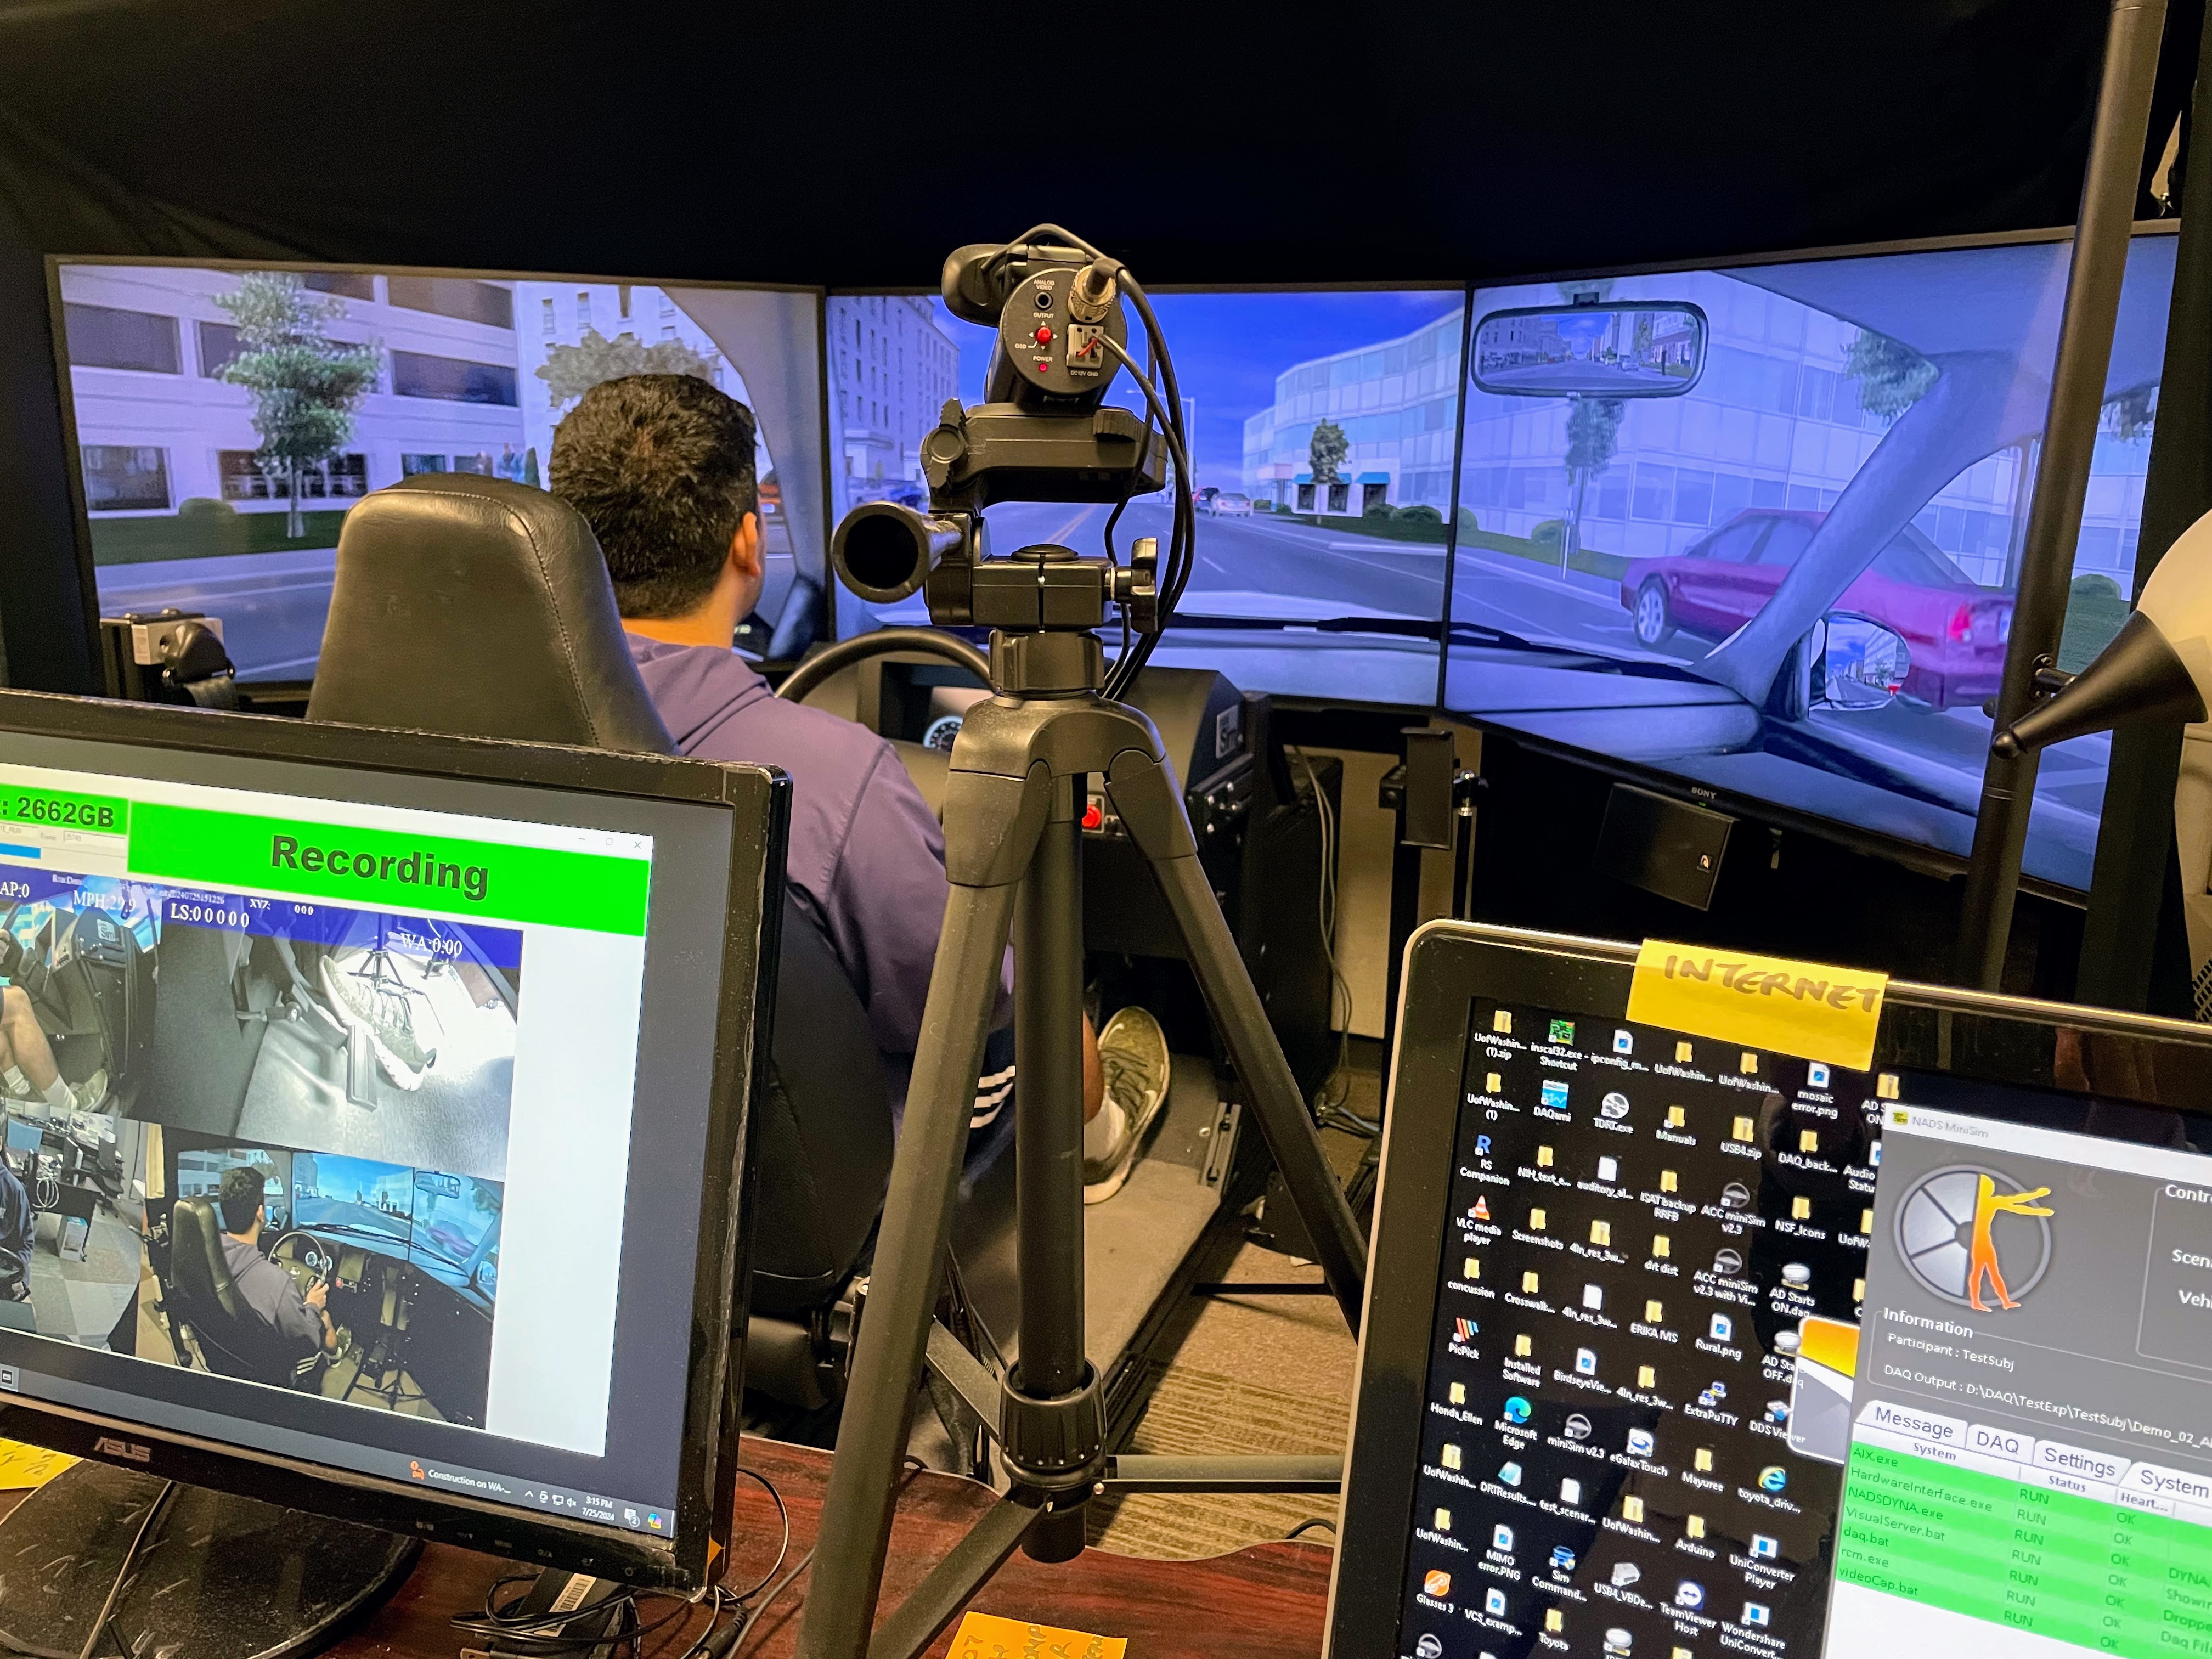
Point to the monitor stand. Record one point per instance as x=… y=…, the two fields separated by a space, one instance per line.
x=216 y=1576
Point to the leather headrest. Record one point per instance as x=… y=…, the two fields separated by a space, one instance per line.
x=195 y=1249
x=480 y=607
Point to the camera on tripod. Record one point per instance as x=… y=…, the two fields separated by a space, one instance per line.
x=1045 y=433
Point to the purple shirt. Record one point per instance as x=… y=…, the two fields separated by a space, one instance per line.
x=867 y=854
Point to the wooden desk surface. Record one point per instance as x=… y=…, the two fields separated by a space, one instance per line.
x=1263 y=1602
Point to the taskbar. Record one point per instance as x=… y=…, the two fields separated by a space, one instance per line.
x=652 y=1520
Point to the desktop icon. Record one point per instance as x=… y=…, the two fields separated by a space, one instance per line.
x=629 y=1517
x=1816 y=1076
x=1618 y=1642
x=1690 y=1594
x=1536 y=1222
x=1585 y=1362
x=1578 y=1428
x=1641 y=1443
x=1529 y=1281
x=1885 y=1086
x=1750 y=1063
x=1797 y=1275
x=1570 y=1493
x=1501 y=1538
x=1543 y=1158
x=1441 y=1520
x=1457 y=1393
x=1623 y=1043
x=1614 y=1106
x=1755 y=1613
x=1693 y=1526
x=1662 y=1245
x=1481 y=1207
x=1808 y=1140
x=653 y=1519
x=1554 y=1620
x=1470 y=1266
x=1493 y=1603
x=1510 y=1473
x=1437 y=1583
x=1723 y=1327
x=1728 y=1263
x=1683 y=1054
x=1553 y=1094
x=1744 y=1128
x=1428 y=1647
x=1482 y=1146
x=1670 y=1181
x=1601 y=1233
x=1702 y=1459
x=1647 y=1376
x=1609 y=1169
x=1677 y=1118
x=1873 y=1154
x=1517 y=1410
x=1712 y=1393
x=1962 y=1206
x=1466 y=1329
x=1450 y=1456
x=1801 y=1208
x=1523 y=1346
x=1778 y=1410
x=1773 y=1477
x=1765 y=1548
x=1563 y=1558
x=1493 y=1083
x=1631 y=1509
x=1501 y=1023
x=1655 y=1312
x=1735 y=1196
x=1625 y=1573
x=1594 y=1297
x=1562 y=1031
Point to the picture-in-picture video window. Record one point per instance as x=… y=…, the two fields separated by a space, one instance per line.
x=226 y=421
x=1323 y=428
x=1761 y=528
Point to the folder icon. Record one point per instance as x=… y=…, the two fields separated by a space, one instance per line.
x=1704 y=1458
x=1654 y=1312
x=1450 y=1459
x=1522 y=1346
x=1866 y=1221
x=1443 y=1520
x=1676 y=1117
x=1666 y=1181
x=1662 y=1245
x=1601 y=1232
x=1885 y=1086
x=1458 y=1393
x=1501 y=1021
x=1543 y=1158
x=1801 y=1209
x=1473 y=1267
x=1681 y=1053
x=1695 y=1526
x=1750 y=1063
x=1743 y=1129
x=1493 y=1084
x=1535 y=1221
x=1528 y=1283
x=1808 y=1140
x=1631 y=1509
x=1553 y=1621
x=1858 y=1290
x=1646 y=1377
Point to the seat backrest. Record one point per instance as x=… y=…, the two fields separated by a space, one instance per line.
x=483 y=608
x=196 y=1256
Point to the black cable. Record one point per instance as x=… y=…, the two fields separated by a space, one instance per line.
x=155 y=1511
x=734 y=1639
x=1307 y=1524
x=782 y=1549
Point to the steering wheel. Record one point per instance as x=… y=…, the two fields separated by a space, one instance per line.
x=816 y=669
x=318 y=1258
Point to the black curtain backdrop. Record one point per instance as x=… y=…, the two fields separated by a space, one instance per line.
x=855 y=144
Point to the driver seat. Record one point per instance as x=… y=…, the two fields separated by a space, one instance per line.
x=480 y=607
x=235 y=1339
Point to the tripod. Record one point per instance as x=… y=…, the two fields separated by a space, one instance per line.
x=1014 y=854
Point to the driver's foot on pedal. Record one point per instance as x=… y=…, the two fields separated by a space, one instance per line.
x=92 y=1094
x=1133 y=1051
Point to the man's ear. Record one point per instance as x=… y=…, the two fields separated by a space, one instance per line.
x=745 y=549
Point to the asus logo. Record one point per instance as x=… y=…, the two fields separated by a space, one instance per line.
x=108 y=1446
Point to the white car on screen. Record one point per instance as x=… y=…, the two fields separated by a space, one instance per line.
x=1229 y=505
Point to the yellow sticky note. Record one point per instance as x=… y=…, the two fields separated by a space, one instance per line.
x=987 y=1636
x=1757 y=1002
x=29 y=1466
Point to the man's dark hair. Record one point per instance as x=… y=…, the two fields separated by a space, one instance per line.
x=240 y=1197
x=661 y=466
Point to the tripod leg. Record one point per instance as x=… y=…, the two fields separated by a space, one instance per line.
x=856 y=1515
x=1145 y=797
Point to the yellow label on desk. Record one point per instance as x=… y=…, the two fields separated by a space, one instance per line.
x=29 y=1466
x=1798 y=1008
x=985 y=1636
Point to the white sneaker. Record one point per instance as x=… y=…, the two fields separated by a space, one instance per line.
x=1133 y=1051
x=92 y=1094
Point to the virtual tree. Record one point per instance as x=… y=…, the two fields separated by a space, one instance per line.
x=306 y=386
x=570 y=371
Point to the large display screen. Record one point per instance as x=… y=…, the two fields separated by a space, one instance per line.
x=225 y=418
x=1760 y=528
x=335 y=1129
x=1652 y=1269
x=1323 y=426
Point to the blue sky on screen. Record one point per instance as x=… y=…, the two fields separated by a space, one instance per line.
x=1229 y=348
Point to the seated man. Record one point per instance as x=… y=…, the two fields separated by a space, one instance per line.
x=27 y=1059
x=662 y=467
x=274 y=1297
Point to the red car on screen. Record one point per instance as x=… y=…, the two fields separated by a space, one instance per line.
x=1955 y=628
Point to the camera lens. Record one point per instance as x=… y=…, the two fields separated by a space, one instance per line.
x=1044 y=299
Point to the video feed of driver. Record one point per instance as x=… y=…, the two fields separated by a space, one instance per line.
x=368 y=1284
x=364 y=1033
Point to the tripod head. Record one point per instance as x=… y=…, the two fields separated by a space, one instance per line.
x=1045 y=433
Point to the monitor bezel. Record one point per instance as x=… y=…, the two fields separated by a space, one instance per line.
x=1448 y=964
x=755 y=796
x=57 y=332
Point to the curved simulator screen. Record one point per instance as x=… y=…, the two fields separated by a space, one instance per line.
x=225 y=418
x=1760 y=528
x=1323 y=425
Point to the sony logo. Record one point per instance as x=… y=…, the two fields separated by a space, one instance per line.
x=108 y=1446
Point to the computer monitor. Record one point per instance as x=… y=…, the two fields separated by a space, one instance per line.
x=1679 y=1345
x=479 y=1020
x=192 y=444
x=1647 y=562
x=1323 y=428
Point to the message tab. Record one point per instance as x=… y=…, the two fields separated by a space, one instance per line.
x=1799 y=1008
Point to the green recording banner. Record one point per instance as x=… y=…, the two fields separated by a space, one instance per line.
x=391 y=869
x=104 y=815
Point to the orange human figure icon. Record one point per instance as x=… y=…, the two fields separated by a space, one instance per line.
x=1982 y=1251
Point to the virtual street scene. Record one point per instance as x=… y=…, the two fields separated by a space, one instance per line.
x=1323 y=429
x=1793 y=580
x=369 y=1284
x=217 y=470
x=365 y=1033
